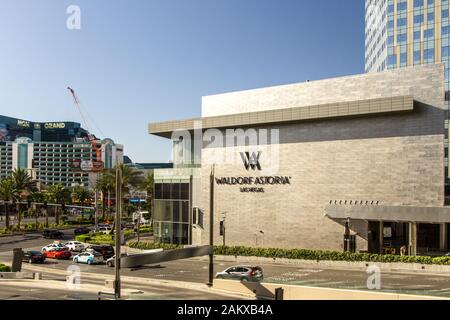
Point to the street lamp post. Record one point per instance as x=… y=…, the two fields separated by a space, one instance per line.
x=118 y=224
x=211 y=228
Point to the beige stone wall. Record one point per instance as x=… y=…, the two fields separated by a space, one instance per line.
x=395 y=171
x=424 y=83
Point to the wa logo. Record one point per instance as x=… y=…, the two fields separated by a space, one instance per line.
x=251 y=160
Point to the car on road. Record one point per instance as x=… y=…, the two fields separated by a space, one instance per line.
x=58 y=253
x=80 y=231
x=107 y=251
x=33 y=257
x=242 y=273
x=52 y=234
x=75 y=246
x=52 y=246
x=111 y=262
x=89 y=258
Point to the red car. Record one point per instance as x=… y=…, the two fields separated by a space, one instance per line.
x=58 y=253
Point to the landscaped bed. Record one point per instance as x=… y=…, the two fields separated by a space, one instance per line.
x=302 y=254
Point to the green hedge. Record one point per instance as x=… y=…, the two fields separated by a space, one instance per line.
x=83 y=238
x=302 y=254
x=4 y=268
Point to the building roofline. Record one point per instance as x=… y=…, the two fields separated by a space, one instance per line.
x=288 y=115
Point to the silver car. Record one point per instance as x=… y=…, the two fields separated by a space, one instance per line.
x=242 y=273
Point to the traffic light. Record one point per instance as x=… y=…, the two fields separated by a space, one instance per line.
x=222 y=227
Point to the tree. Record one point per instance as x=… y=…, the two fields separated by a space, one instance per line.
x=131 y=178
x=59 y=194
x=24 y=184
x=37 y=197
x=81 y=195
x=8 y=193
x=105 y=184
x=148 y=185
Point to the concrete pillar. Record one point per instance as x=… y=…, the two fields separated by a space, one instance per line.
x=412 y=248
x=443 y=237
x=381 y=237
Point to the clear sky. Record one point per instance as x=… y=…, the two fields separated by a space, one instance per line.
x=140 y=61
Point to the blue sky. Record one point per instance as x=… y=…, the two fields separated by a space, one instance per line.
x=140 y=61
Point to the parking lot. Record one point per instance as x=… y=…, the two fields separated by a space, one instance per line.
x=196 y=270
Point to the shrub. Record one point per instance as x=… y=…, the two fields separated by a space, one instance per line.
x=303 y=254
x=4 y=268
x=83 y=238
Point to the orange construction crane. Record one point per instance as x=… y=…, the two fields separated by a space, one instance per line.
x=91 y=137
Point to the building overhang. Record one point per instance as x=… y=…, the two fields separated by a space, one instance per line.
x=433 y=215
x=290 y=115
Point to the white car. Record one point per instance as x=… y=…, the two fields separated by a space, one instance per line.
x=75 y=246
x=52 y=246
x=105 y=230
x=89 y=258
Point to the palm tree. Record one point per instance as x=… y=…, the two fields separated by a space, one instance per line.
x=81 y=195
x=37 y=197
x=59 y=194
x=131 y=178
x=105 y=184
x=8 y=193
x=23 y=184
x=147 y=185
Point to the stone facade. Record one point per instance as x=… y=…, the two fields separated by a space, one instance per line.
x=425 y=83
x=394 y=171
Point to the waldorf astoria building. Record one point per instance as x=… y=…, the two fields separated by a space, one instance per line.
x=354 y=163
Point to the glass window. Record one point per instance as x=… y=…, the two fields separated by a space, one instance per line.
x=418 y=3
x=392 y=59
x=401 y=37
x=418 y=19
x=416 y=35
x=445 y=14
x=158 y=191
x=166 y=191
x=428 y=33
x=417 y=57
x=430 y=16
x=391 y=40
x=184 y=194
x=402 y=22
x=403 y=58
x=445 y=51
x=446 y=30
x=402 y=6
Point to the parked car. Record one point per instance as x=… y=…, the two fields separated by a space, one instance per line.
x=105 y=230
x=106 y=251
x=58 y=253
x=111 y=262
x=52 y=234
x=242 y=273
x=81 y=231
x=89 y=258
x=75 y=246
x=33 y=257
x=52 y=246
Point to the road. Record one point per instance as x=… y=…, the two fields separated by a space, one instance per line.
x=196 y=270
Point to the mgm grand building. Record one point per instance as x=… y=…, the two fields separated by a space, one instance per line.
x=356 y=163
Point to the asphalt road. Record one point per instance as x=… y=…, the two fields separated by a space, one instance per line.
x=196 y=270
x=18 y=290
